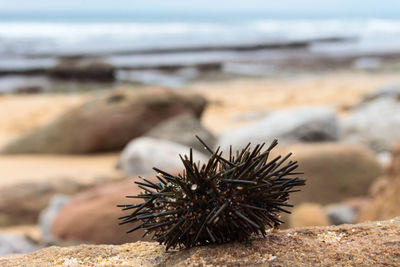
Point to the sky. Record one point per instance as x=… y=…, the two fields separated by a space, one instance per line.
x=352 y=6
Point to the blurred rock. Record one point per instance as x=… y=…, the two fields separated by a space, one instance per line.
x=23 y=84
x=309 y=124
x=334 y=171
x=385 y=193
x=375 y=124
x=367 y=63
x=182 y=129
x=22 y=203
x=340 y=213
x=11 y=244
x=83 y=69
x=91 y=216
x=144 y=153
x=108 y=122
x=384 y=158
x=357 y=203
x=308 y=214
x=48 y=215
x=390 y=91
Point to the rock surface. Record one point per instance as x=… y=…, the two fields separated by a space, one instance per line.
x=367 y=244
x=375 y=124
x=144 y=153
x=107 y=122
x=309 y=124
x=182 y=129
x=385 y=193
x=92 y=216
x=334 y=171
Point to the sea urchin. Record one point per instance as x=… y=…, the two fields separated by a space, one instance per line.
x=223 y=200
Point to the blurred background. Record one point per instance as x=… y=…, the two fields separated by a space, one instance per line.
x=94 y=93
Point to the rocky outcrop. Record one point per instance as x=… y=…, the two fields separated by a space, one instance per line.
x=107 y=122
x=144 y=153
x=309 y=124
x=367 y=244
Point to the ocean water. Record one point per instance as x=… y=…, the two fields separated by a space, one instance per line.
x=68 y=33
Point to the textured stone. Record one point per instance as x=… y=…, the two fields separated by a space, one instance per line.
x=367 y=244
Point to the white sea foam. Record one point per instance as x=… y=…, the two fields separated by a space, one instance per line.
x=43 y=37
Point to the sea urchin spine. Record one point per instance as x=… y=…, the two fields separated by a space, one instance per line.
x=220 y=201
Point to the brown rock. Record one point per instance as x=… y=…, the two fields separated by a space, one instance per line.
x=308 y=214
x=107 y=122
x=22 y=203
x=367 y=244
x=92 y=216
x=385 y=193
x=334 y=171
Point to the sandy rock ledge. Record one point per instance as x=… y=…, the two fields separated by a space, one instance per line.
x=366 y=244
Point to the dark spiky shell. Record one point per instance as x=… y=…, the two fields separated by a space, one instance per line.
x=221 y=201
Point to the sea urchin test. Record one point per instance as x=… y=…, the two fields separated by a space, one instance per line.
x=223 y=200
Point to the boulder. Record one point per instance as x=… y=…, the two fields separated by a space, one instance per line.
x=22 y=203
x=385 y=193
x=92 y=216
x=11 y=244
x=308 y=214
x=107 y=122
x=182 y=129
x=307 y=124
x=375 y=124
x=367 y=244
x=334 y=171
x=96 y=69
x=144 y=153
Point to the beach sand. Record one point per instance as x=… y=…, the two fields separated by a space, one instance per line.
x=232 y=103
